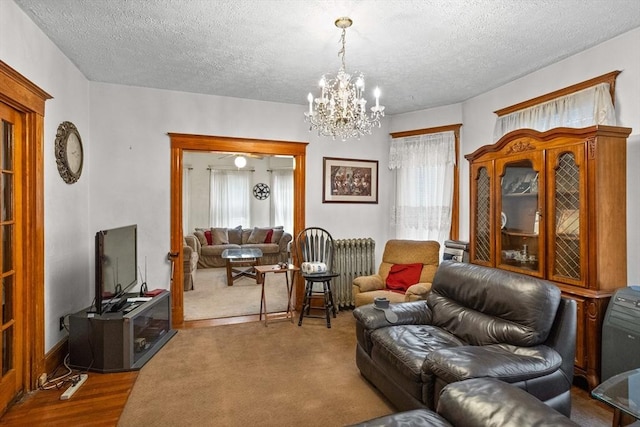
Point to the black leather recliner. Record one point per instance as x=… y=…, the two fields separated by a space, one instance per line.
x=477 y=322
x=478 y=402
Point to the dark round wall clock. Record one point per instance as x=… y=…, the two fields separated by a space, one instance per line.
x=261 y=191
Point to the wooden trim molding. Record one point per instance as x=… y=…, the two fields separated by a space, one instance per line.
x=187 y=142
x=24 y=96
x=455 y=207
x=448 y=128
x=605 y=78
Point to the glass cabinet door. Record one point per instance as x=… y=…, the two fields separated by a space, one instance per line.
x=520 y=245
x=482 y=246
x=566 y=204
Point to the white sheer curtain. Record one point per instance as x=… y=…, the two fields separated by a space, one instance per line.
x=186 y=199
x=282 y=198
x=424 y=186
x=229 y=202
x=588 y=107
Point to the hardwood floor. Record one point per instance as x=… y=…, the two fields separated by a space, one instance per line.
x=101 y=399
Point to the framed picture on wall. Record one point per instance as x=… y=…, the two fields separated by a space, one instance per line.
x=349 y=180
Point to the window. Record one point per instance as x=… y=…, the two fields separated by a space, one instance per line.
x=425 y=168
x=229 y=201
x=282 y=198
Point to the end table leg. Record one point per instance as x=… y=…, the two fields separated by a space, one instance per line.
x=229 y=273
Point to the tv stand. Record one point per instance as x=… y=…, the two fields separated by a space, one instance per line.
x=123 y=340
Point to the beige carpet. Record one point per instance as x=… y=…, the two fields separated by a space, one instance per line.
x=252 y=375
x=211 y=298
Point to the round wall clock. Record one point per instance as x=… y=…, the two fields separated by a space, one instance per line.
x=261 y=191
x=69 y=153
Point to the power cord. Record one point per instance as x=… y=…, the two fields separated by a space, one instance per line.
x=70 y=377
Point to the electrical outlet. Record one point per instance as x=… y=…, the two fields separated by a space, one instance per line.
x=61 y=322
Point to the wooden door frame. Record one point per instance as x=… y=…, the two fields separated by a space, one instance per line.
x=24 y=96
x=207 y=143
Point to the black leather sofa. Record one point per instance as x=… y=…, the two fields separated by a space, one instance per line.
x=477 y=322
x=479 y=402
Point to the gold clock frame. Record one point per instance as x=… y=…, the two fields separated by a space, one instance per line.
x=65 y=130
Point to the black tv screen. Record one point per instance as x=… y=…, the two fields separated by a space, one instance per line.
x=116 y=264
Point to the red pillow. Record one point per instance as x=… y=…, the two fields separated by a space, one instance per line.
x=207 y=235
x=267 y=238
x=401 y=276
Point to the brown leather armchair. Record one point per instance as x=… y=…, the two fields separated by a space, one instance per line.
x=397 y=253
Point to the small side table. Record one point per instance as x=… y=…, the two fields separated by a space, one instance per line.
x=261 y=271
x=621 y=391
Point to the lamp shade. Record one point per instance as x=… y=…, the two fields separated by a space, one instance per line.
x=240 y=161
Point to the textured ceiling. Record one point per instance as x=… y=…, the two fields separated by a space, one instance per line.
x=422 y=53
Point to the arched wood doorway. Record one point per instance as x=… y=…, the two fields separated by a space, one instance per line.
x=205 y=143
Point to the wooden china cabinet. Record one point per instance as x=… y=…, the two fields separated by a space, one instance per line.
x=553 y=205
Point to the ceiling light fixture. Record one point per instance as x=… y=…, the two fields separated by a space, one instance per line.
x=340 y=111
x=240 y=162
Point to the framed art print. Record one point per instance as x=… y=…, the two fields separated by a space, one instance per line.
x=349 y=180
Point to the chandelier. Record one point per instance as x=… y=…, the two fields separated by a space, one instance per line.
x=340 y=111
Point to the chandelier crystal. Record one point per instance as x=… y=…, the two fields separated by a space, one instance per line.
x=340 y=111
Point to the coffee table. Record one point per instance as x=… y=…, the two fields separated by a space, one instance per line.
x=262 y=270
x=241 y=262
x=621 y=391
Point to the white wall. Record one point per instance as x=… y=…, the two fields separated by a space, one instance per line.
x=68 y=237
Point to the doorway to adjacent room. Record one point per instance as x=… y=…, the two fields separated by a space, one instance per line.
x=199 y=143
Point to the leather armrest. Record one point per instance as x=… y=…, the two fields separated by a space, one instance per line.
x=502 y=361
x=481 y=402
x=368 y=283
x=409 y=313
x=368 y=319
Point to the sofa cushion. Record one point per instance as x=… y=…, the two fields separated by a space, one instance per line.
x=200 y=235
x=216 y=250
x=235 y=235
x=490 y=306
x=402 y=276
x=246 y=232
x=404 y=362
x=266 y=248
x=277 y=235
x=502 y=361
x=258 y=235
x=220 y=236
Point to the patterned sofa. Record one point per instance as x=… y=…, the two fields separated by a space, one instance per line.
x=272 y=241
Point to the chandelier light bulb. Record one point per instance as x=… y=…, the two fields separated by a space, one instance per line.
x=240 y=162
x=340 y=110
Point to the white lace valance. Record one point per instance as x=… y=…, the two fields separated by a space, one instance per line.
x=588 y=107
x=428 y=150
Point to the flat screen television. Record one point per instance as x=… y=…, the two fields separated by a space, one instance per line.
x=116 y=265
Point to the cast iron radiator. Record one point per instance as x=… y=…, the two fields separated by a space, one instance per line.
x=352 y=258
